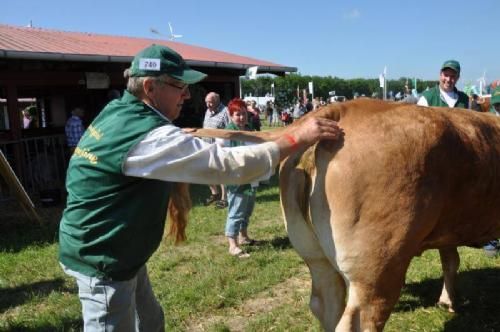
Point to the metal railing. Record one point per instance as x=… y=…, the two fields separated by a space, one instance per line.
x=39 y=162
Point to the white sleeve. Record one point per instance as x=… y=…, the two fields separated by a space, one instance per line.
x=169 y=154
x=422 y=102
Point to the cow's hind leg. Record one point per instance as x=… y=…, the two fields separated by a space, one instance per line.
x=450 y=260
x=372 y=292
x=328 y=289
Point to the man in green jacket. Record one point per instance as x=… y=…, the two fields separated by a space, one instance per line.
x=119 y=181
x=446 y=94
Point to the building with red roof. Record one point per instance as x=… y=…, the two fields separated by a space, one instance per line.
x=50 y=72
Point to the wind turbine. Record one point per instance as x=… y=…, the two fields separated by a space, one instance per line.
x=172 y=35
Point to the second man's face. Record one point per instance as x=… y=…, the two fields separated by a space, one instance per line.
x=448 y=79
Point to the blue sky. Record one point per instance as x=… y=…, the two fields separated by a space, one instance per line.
x=348 y=39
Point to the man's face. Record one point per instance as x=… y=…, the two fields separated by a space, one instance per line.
x=212 y=103
x=168 y=96
x=448 y=79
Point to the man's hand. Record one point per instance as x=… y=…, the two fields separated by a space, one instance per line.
x=307 y=133
x=314 y=129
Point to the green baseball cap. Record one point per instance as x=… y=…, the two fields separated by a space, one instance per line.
x=452 y=64
x=157 y=60
x=495 y=96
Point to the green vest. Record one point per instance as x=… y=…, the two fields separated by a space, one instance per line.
x=433 y=97
x=112 y=223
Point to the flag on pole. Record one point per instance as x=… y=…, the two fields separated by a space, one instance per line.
x=251 y=72
x=381 y=80
x=311 y=88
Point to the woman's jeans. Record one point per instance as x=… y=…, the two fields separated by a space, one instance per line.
x=240 y=208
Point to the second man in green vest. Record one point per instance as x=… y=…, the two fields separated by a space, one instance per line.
x=446 y=94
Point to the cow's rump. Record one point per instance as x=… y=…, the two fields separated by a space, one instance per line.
x=441 y=165
x=403 y=179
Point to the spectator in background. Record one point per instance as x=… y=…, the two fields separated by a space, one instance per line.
x=493 y=247
x=241 y=198
x=446 y=94
x=28 y=121
x=309 y=106
x=299 y=110
x=495 y=101
x=269 y=112
x=254 y=115
x=475 y=104
x=216 y=117
x=276 y=116
x=286 y=116
x=74 y=128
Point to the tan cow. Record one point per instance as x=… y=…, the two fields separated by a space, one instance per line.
x=402 y=180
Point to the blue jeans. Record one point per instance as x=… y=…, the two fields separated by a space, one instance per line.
x=240 y=208
x=118 y=305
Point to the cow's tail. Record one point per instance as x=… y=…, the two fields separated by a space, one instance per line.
x=178 y=211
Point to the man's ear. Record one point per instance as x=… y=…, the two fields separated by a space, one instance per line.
x=148 y=85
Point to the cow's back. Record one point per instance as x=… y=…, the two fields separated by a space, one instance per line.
x=405 y=162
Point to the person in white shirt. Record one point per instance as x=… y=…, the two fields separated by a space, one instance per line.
x=119 y=185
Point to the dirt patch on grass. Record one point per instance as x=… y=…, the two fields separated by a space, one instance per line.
x=236 y=319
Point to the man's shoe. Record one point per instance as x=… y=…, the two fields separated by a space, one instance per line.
x=212 y=198
x=491 y=248
x=221 y=204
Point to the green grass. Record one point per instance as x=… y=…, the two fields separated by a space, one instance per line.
x=201 y=287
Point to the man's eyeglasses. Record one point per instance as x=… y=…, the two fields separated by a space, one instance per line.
x=183 y=87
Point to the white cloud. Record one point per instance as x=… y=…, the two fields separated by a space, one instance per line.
x=353 y=14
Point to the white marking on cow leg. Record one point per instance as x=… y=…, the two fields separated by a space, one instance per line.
x=450 y=260
x=327 y=293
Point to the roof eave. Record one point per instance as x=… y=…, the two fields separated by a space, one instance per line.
x=127 y=59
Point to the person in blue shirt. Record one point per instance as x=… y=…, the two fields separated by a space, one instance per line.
x=74 y=128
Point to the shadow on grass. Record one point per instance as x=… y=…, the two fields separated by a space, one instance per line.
x=17 y=231
x=66 y=324
x=267 y=197
x=478 y=296
x=12 y=297
x=278 y=243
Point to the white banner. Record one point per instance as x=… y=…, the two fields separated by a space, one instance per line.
x=251 y=73
x=381 y=79
x=311 y=88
